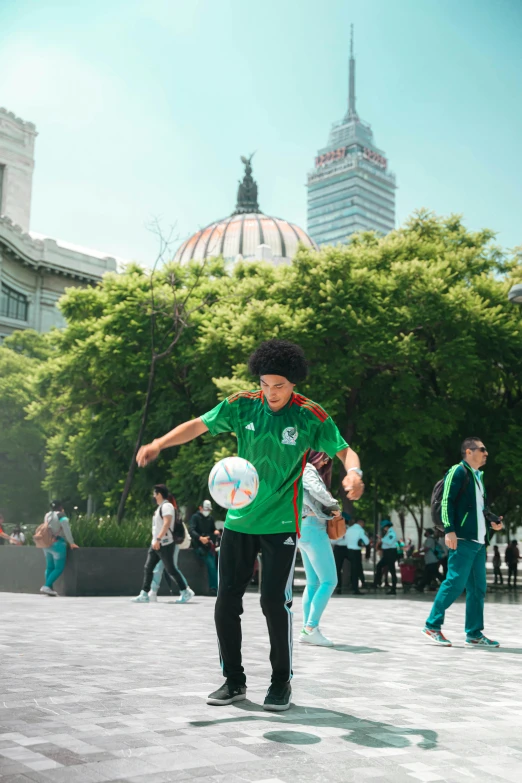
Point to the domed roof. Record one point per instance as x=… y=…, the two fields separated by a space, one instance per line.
x=247 y=233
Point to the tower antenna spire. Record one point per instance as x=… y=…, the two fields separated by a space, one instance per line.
x=352 y=113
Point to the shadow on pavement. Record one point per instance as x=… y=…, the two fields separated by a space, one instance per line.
x=356 y=650
x=368 y=733
x=510 y=650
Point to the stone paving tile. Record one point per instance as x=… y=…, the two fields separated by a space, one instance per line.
x=99 y=689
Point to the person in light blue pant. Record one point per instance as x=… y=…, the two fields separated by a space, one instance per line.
x=56 y=554
x=157 y=575
x=316 y=549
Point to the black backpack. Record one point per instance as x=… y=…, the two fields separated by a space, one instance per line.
x=436 y=500
x=177 y=528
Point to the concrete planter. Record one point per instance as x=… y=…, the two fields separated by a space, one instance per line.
x=92 y=571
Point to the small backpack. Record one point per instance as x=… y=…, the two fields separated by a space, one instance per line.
x=43 y=536
x=436 y=500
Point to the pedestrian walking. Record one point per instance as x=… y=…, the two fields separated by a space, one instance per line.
x=275 y=427
x=497 y=561
x=512 y=556
x=163 y=549
x=468 y=524
x=350 y=548
x=59 y=536
x=431 y=561
x=388 y=556
x=202 y=529
x=159 y=568
x=315 y=546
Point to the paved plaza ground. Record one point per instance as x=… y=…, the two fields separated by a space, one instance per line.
x=99 y=689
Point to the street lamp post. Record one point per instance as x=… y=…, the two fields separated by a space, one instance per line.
x=515 y=293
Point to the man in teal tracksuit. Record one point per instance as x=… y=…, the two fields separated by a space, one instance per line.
x=467 y=534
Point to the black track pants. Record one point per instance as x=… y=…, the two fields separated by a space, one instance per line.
x=389 y=556
x=166 y=555
x=237 y=556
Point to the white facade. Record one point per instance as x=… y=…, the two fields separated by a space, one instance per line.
x=34 y=270
x=16 y=167
x=34 y=274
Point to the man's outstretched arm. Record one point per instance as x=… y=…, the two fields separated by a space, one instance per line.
x=352 y=482
x=183 y=433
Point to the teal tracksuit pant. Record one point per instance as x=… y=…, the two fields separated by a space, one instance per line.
x=466 y=570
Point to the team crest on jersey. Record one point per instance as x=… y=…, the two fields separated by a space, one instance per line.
x=290 y=436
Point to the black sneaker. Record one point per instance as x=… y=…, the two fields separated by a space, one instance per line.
x=227 y=694
x=278 y=697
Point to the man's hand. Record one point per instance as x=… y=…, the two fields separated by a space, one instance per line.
x=451 y=540
x=203 y=539
x=156 y=545
x=353 y=485
x=147 y=454
x=216 y=532
x=498 y=525
x=74 y=546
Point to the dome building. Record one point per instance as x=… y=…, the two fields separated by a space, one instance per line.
x=247 y=234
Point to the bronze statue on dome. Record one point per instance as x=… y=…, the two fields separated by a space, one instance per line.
x=247 y=190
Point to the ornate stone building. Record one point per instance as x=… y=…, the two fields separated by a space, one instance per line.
x=247 y=234
x=34 y=270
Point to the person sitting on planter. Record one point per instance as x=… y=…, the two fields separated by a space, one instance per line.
x=56 y=554
x=202 y=529
x=163 y=548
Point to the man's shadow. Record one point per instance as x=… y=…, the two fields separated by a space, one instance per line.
x=368 y=733
x=361 y=650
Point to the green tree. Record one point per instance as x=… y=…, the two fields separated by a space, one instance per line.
x=22 y=498
x=92 y=394
x=412 y=346
x=411 y=341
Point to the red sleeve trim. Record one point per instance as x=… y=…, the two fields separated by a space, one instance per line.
x=310 y=405
x=296 y=494
x=255 y=395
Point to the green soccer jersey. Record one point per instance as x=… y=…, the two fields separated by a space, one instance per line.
x=276 y=443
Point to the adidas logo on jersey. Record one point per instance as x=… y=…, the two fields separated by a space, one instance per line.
x=250 y=426
x=289 y=541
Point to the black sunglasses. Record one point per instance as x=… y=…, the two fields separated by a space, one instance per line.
x=483 y=449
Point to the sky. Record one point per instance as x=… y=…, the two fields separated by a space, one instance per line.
x=144 y=107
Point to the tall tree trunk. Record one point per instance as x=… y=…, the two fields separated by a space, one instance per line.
x=419 y=523
x=132 y=465
x=402 y=521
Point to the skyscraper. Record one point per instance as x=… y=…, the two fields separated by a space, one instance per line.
x=350 y=188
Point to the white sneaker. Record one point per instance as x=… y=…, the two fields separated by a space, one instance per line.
x=153 y=596
x=47 y=590
x=185 y=596
x=314 y=637
x=142 y=598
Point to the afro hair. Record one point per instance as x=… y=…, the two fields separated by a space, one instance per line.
x=279 y=357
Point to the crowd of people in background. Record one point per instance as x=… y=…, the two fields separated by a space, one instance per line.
x=352 y=550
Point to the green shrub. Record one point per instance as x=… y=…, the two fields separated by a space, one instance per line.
x=134 y=532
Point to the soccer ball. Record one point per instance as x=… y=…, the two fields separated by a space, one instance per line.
x=233 y=482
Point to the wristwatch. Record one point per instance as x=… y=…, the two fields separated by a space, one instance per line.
x=355 y=470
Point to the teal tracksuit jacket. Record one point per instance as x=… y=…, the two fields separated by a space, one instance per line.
x=459 y=503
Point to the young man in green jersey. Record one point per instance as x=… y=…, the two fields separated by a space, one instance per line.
x=275 y=428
